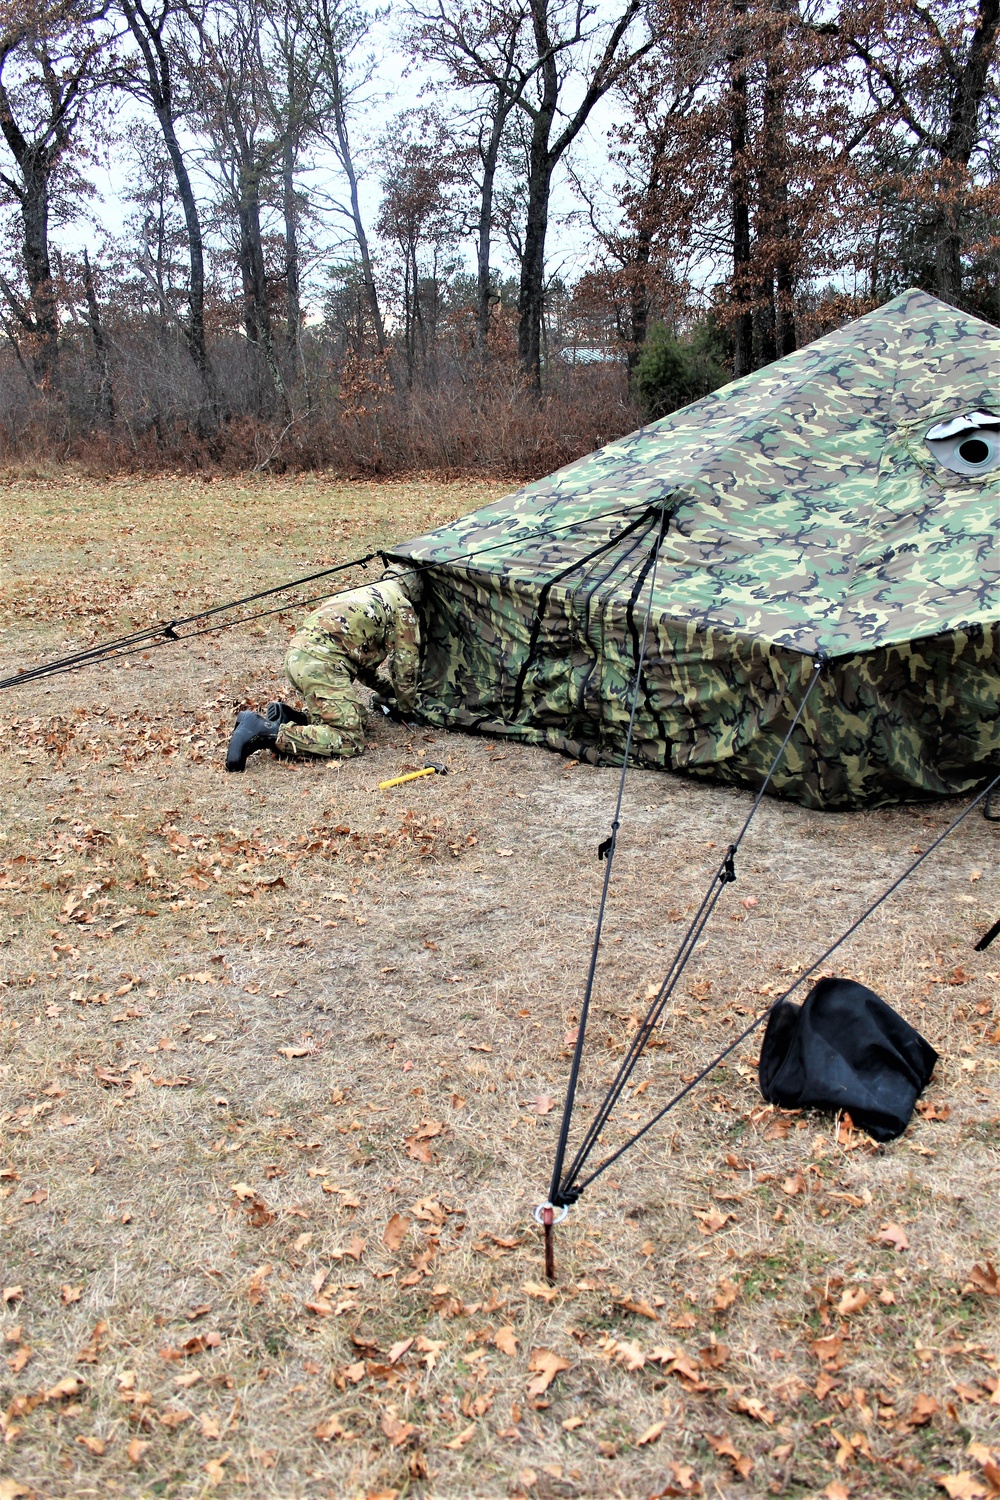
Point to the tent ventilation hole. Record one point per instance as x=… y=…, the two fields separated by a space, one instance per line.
x=968 y=444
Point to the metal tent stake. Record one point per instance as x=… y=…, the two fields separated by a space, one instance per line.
x=548 y=1216
x=550 y=1250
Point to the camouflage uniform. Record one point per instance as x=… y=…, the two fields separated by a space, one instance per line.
x=812 y=517
x=346 y=637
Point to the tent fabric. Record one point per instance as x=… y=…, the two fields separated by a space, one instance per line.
x=808 y=518
x=844 y=1048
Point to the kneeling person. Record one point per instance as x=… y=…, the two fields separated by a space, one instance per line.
x=347 y=637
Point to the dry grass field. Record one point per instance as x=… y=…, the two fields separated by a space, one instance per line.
x=278 y=1056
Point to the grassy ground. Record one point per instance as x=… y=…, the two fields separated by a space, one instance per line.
x=278 y=1060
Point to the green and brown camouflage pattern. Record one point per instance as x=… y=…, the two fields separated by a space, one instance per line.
x=808 y=518
x=346 y=637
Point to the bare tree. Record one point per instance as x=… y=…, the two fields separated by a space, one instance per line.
x=932 y=70
x=49 y=57
x=419 y=168
x=561 y=43
x=225 y=74
x=340 y=28
x=445 y=35
x=645 y=222
x=291 y=69
x=154 y=79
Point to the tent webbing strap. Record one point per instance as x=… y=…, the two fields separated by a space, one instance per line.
x=610 y=846
x=165 y=633
x=644 y=521
x=807 y=974
x=565 y=1188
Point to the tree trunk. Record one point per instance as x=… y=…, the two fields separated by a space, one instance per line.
x=256 y=302
x=970 y=83
x=38 y=269
x=290 y=204
x=347 y=162
x=194 y=327
x=739 y=192
x=541 y=164
x=102 y=361
x=531 y=290
x=490 y=157
x=639 y=296
x=159 y=85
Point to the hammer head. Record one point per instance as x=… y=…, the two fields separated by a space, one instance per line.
x=435 y=765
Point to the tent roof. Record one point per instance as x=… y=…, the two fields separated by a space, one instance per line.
x=809 y=511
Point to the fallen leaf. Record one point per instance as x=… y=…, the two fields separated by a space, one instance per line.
x=710 y=1221
x=543 y=1293
x=10 y=1489
x=685 y=1480
x=962 y=1486
x=173 y=1418
x=505 y=1341
x=924 y=1407
x=543 y=1104
x=793 y=1185
x=651 y=1434
x=640 y=1307
x=13 y=1293
x=38 y=1196
x=68 y=1294
x=546 y=1366
x=827 y=1349
x=396 y=1431
x=214 y=1466
x=836 y=1491
x=892 y=1234
x=725 y=1296
x=136 y=1450
x=330 y=1430
x=291 y=1052
x=395 y=1232
x=933 y=1111
x=463 y=1437
x=751 y=1406
x=984 y=1281
x=17 y=1361
x=64 y=1389
x=397 y=1350
x=629 y=1354
x=852 y=1300
x=741 y=1462
x=95 y=1445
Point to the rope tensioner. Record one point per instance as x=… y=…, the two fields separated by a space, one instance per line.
x=567 y=1187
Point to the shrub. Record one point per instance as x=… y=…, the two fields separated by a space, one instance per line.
x=671 y=372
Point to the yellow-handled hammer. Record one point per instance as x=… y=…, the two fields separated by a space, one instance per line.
x=432 y=768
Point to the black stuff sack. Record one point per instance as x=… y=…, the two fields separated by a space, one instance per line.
x=845 y=1049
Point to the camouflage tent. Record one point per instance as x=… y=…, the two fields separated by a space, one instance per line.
x=841 y=505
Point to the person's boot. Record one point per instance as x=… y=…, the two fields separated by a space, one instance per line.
x=284 y=713
x=252 y=733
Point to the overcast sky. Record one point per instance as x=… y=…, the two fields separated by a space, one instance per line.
x=398 y=84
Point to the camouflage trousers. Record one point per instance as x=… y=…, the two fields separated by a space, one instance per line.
x=326 y=684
